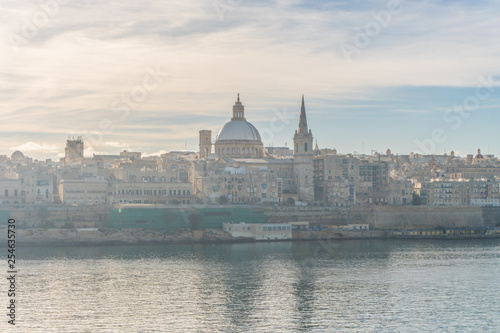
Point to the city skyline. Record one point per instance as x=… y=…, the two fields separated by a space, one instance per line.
x=148 y=77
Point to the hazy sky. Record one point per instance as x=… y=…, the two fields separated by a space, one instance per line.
x=147 y=75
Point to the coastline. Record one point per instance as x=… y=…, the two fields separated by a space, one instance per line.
x=113 y=237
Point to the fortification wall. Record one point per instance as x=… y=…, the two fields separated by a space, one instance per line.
x=426 y=217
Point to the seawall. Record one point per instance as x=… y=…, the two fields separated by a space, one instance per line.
x=174 y=217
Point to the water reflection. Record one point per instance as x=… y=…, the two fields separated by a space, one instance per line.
x=369 y=285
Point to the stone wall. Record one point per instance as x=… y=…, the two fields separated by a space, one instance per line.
x=58 y=216
x=390 y=217
x=426 y=217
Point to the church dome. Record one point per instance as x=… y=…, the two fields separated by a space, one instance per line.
x=239 y=138
x=238 y=130
x=17 y=156
x=479 y=156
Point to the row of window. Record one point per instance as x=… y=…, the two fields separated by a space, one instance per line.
x=16 y=193
x=154 y=192
x=238 y=151
x=277 y=228
x=159 y=202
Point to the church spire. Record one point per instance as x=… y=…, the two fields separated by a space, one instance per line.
x=303 y=119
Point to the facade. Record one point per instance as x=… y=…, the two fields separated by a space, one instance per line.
x=12 y=191
x=73 y=153
x=345 y=180
x=159 y=193
x=205 y=144
x=268 y=231
x=456 y=193
x=32 y=187
x=238 y=182
x=92 y=191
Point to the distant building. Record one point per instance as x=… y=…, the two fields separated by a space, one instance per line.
x=84 y=192
x=263 y=179
x=303 y=158
x=73 y=153
x=456 y=193
x=268 y=231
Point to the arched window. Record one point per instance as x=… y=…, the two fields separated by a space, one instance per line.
x=305 y=146
x=238 y=151
x=232 y=151
x=227 y=151
x=297 y=147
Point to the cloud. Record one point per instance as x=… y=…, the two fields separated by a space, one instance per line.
x=117 y=144
x=158 y=153
x=77 y=75
x=35 y=147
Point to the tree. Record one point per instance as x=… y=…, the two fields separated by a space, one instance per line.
x=195 y=219
x=42 y=214
x=290 y=202
x=222 y=200
x=417 y=201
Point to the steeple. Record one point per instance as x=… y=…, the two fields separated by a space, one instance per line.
x=238 y=110
x=303 y=119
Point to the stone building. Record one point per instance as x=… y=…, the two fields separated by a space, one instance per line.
x=160 y=193
x=345 y=180
x=456 y=193
x=303 y=158
x=73 y=153
x=265 y=179
x=93 y=191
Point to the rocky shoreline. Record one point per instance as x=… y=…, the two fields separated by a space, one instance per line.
x=102 y=236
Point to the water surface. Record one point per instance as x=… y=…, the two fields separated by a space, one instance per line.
x=343 y=286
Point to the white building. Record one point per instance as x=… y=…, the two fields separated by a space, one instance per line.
x=268 y=231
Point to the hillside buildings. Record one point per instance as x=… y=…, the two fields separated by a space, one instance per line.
x=236 y=168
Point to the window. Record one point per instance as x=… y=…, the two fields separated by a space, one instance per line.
x=305 y=147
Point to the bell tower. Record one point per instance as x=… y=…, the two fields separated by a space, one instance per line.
x=303 y=158
x=205 y=144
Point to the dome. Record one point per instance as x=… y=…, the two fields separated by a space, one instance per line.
x=239 y=138
x=238 y=130
x=17 y=155
x=479 y=156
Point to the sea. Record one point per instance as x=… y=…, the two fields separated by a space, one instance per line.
x=301 y=286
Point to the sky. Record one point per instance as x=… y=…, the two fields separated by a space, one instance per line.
x=412 y=76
